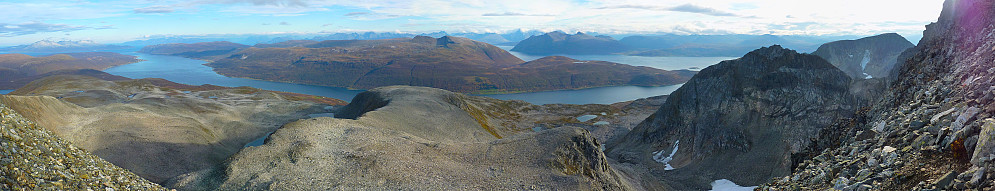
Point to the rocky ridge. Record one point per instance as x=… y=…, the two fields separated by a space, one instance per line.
x=933 y=130
x=757 y=110
x=418 y=138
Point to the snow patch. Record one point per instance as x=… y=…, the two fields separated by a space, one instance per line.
x=601 y=123
x=658 y=156
x=727 y=185
x=585 y=118
x=863 y=63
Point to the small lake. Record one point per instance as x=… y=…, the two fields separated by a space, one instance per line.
x=5 y=91
x=191 y=71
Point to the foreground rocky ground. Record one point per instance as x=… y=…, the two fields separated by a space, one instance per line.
x=34 y=158
x=934 y=129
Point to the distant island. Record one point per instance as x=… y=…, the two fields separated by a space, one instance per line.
x=451 y=63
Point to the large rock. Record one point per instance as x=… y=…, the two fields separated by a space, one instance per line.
x=868 y=57
x=401 y=138
x=739 y=120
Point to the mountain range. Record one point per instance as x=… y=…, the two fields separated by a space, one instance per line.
x=451 y=63
x=48 y=46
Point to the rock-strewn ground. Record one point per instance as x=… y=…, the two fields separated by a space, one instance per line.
x=415 y=138
x=934 y=129
x=33 y=158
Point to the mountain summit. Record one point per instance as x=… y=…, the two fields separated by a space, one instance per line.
x=738 y=120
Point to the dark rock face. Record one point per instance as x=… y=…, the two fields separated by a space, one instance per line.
x=933 y=129
x=739 y=120
x=561 y=43
x=868 y=57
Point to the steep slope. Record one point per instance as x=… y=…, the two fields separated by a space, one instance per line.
x=35 y=159
x=738 y=120
x=558 y=42
x=868 y=57
x=19 y=69
x=416 y=138
x=451 y=63
x=172 y=128
x=200 y=50
x=933 y=130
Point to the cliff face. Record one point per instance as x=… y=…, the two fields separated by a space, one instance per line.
x=417 y=138
x=868 y=57
x=561 y=43
x=451 y=63
x=934 y=129
x=738 y=120
x=36 y=159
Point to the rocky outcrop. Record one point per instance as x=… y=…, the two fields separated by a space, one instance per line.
x=868 y=57
x=738 y=120
x=33 y=158
x=450 y=63
x=933 y=129
x=558 y=42
x=172 y=128
x=416 y=138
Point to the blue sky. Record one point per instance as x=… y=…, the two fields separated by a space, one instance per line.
x=112 y=21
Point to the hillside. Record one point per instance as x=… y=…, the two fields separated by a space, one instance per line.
x=402 y=137
x=561 y=43
x=756 y=110
x=173 y=128
x=36 y=159
x=451 y=63
x=19 y=69
x=868 y=57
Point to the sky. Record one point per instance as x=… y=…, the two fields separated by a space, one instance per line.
x=114 y=21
